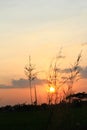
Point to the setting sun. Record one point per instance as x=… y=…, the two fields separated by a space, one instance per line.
x=52 y=89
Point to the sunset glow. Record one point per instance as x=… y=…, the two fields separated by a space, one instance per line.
x=52 y=90
x=39 y=28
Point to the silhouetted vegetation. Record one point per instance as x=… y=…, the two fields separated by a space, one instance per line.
x=55 y=77
x=69 y=113
x=64 y=116
x=31 y=75
x=72 y=76
x=77 y=98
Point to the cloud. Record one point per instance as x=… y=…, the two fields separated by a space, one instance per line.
x=3 y=86
x=82 y=70
x=22 y=83
x=67 y=70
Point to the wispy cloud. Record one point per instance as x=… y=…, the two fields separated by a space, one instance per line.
x=3 y=86
x=22 y=83
x=83 y=71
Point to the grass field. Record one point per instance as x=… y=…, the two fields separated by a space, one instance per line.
x=56 y=118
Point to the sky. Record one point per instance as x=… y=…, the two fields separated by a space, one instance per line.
x=39 y=28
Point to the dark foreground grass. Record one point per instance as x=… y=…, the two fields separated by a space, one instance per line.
x=52 y=118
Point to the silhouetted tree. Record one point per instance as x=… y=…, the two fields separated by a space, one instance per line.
x=79 y=96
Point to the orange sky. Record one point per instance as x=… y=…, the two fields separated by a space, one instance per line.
x=40 y=29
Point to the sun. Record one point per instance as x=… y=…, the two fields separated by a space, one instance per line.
x=52 y=89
